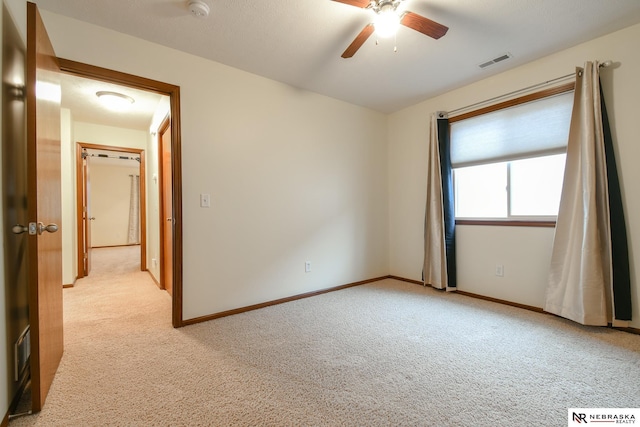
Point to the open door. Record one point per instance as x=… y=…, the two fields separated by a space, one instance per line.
x=87 y=218
x=84 y=212
x=166 y=207
x=14 y=209
x=44 y=207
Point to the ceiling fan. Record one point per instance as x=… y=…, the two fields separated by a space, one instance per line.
x=387 y=20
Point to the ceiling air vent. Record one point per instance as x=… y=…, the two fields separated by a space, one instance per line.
x=495 y=60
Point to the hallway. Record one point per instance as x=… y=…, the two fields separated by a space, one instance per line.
x=108 y=317
x=115 y=290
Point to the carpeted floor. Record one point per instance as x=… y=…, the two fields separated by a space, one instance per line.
x=384 y=354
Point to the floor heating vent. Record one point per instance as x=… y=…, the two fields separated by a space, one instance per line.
x=495 y=60
x=22 y=353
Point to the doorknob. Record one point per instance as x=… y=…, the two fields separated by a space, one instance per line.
x=19 y=229
x=51 y=228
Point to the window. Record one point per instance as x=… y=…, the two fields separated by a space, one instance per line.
x=527 y=188
x=508 y=163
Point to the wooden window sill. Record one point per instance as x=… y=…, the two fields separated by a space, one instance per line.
x=507 y=223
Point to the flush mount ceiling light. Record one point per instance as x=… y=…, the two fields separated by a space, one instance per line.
x=114 y=100
x=198 y=8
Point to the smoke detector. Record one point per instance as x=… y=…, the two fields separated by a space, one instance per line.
x=198 y=8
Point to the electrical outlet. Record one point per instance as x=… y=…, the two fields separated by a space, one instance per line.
x=154 y=262
x=499 y=270
x=307 y=266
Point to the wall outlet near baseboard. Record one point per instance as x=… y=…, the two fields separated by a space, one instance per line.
x=307 y=266
x=499 y=270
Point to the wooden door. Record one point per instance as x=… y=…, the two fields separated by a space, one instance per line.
x=44 y=207
x=166 y=217
x=86 y=215
x=14 y=208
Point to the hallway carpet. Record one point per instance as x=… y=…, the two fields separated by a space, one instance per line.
x=387 y=353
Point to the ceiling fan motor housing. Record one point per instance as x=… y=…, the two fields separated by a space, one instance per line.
x=380 y=6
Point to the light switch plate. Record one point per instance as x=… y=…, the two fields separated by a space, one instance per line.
x=205 y=200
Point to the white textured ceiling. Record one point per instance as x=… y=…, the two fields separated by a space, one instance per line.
x=299 y=42
x=79 y=96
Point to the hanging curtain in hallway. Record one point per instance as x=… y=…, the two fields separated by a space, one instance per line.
x=589 y=277
x=134 y=211
x=439 y=268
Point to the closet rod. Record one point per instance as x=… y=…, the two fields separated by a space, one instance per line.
x=106 y=156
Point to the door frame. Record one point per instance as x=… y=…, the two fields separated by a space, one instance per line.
x=103 y=74
x=80 y=185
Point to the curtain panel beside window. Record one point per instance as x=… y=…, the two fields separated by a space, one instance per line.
x=439 y=267
x=589 y=276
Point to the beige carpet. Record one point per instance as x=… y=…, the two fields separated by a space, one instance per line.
x=384 y=354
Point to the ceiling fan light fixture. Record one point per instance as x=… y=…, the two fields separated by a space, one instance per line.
x=114 y=100
x=387 y=21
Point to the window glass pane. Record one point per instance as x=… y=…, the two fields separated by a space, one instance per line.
x=481 y=191
x=536 y=185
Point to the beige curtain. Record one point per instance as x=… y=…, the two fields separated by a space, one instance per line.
x=435 y=258
x=580 y=278
x=134 y=211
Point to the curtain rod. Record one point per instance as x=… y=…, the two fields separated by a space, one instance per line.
x=526 y=89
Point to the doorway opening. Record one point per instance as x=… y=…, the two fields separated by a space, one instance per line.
x=172 y=170
x=121 y=223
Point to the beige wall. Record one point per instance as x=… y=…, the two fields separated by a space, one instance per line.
x=110 y=201
x=109 y=135
x=525 y=253
x=293 y=176
x=68 y=192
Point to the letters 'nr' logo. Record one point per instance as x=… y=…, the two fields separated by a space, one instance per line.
x=580 y=418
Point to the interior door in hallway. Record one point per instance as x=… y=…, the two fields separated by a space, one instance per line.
x=166 y=217
x=86 y=214
x=44 y=207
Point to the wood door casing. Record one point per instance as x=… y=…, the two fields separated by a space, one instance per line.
x=82 y=218
x=98 y=73
x=166 y=208
x=44 y=206
x=86 y=214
